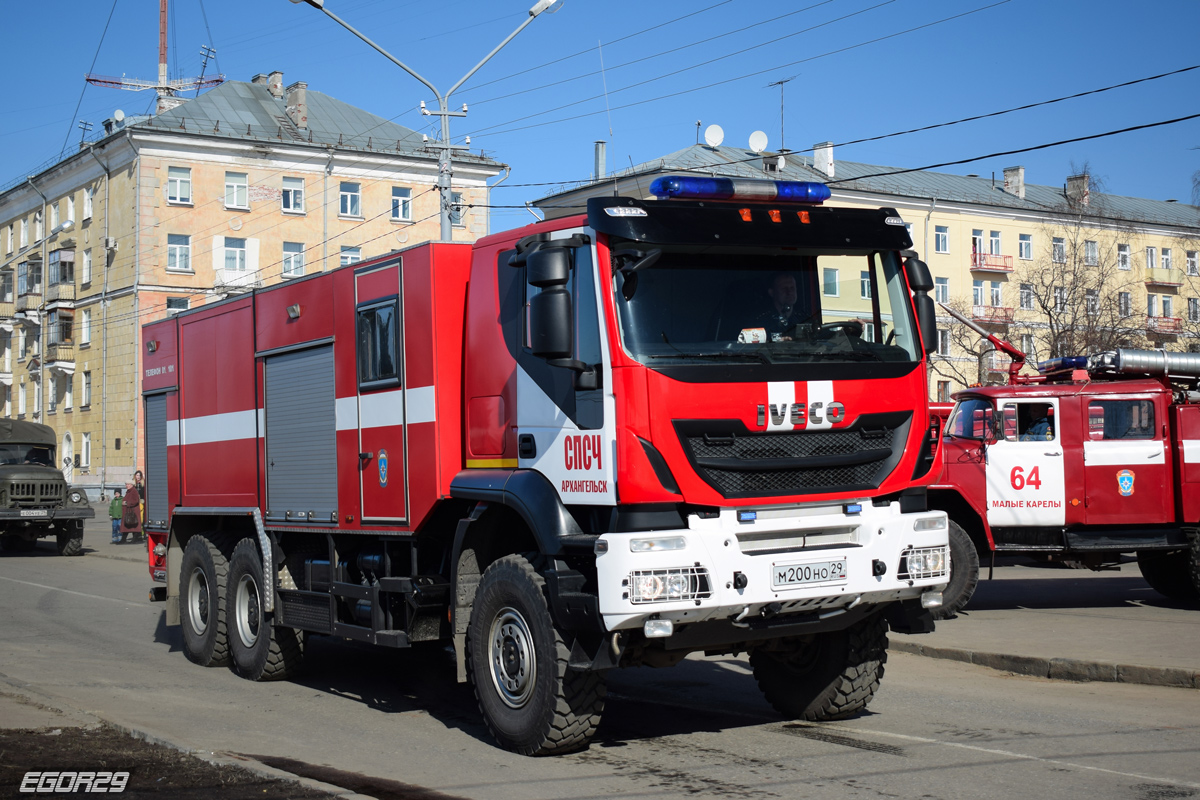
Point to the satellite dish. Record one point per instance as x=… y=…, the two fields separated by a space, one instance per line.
x=713 y=135
x=118 y=115
x=758 y=141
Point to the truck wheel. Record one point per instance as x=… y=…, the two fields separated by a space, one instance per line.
x=70 y=541
x=964 y=573
x=202 y=573
x=517 y=661
x=1171 y=574
x=832 y=677
x=259 y=650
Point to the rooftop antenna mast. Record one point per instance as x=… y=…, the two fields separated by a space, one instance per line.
x=167 y=90
x=780 y=84
x=206 y=52
x=85 y=128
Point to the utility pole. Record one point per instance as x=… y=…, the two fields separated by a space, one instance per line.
x=780 y=84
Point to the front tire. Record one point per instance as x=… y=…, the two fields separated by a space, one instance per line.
x=832 y=677
x=70 y=541
x=1175 y=575
x=964 y=574
x=259 y=650
x=203 y=571
x=517 y=661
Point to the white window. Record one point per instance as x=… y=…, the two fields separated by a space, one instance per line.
x=351 y=255
x=977 y=293
x=85 y=326
x=1193 y=265
x=1025 y=246
x=943 y=342
x=941 y=290
x=53 y=216
x=85 y=451
x=177 y=304
x=179 y=252
x=87 y=389
x=941 y=239
x=68 y=391
x=997 y=296
x=1166 y=258
x=1027 y=344
x=456 y=210
x=1168 y=306
x=1092 y=301
x=1026 y=296
x=994 y=243
x=293 y=195
x=8 y=238
x=39 y=228
x=29 y=278
x=350 y=200
x=37 y=399
x=1193 y=310
x=21 y=343
x=1151 y=257
x=293 y=259
x=179 y=187
x=402 y=203
x=85 y=268
x=1124 y=306
x=89 y=195
x=25 y=232
x=1152 y=305
x=1123 y=260
x=831 y=282
x=53 y=400
x=237 y=190
x=8 y=401
x=1091 y=253
x=21 y=400
x=864 y=285
x=977 y=241
x=6 y=287
x=1058 y=250
x=1060 y=298
x=71 y=207
x=235 y=254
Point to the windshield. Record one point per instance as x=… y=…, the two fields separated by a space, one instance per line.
x=761 y=305
x=971 y=419
x=26 y=454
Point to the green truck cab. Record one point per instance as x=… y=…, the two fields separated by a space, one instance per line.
x=35 y=500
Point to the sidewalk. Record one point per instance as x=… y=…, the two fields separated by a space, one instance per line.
x=1045 y=620
x=97 y=539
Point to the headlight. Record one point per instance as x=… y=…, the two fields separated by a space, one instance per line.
x=668 y=585
x=924 y=562
x=657 y=545
x=930 y=524
x=76 y=496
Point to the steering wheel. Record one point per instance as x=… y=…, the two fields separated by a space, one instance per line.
x=851 y=327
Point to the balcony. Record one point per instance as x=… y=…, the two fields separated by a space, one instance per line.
x=1157 y=276
x=29 y=301
x=986 y=262
x=60 y=292
x=7 y=309
x=60 y=356
x=995 y=315
x=1167 y=326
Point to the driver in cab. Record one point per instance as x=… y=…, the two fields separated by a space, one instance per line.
x=781 y=316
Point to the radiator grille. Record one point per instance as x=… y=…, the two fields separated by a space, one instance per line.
x=36 y=493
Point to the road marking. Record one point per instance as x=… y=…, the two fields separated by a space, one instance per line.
x=68 y=591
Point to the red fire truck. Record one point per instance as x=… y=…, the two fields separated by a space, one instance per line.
x=1094 y=458
x=605 y=440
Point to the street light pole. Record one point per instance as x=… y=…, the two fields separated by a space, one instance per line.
x=445 y=148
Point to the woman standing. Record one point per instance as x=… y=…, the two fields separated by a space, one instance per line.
x=131 y=513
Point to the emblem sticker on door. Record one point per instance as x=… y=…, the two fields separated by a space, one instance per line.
x=1125 y=482
x=383 y=467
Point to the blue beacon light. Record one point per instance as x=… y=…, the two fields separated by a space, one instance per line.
x=700 y=188
x=1063 y=364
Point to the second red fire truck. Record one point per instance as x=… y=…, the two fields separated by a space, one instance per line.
x=605 y=440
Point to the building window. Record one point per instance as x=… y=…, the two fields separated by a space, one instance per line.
x=89 y=195
x=1151 y=257
x=21 y=336
x=1027 y=344
x=997 y=297
x=177 y=304
x=1091 y=254
x=21 y=401
x=864 y=285
x=68 y=391
x=52 y=402
x=1027 y=296
x=1058 y=250
x=994 y=243
x=8 y=238
x=179 y=252
x=293 y=195
x=402 y=203
x=237 y=190
x=1193 y=310
x=1168 y=306
x=1151 y=305
x=235 y=254
x=977 y=293
x=87 y=389
x=977 y=241
x=1060 y=298
x=943 y=342
x=1092 y=301
x=941 y=239
x=1193 y=264
x=6 y=286
x=943 y=391
x=350 y=199
x=85 y=451
x=29 y=278
x=71 y=207
x=59 y=328
x=53 y=216
x=293 y=259
x=351 y=255
x=85 y=268
x=1166 y=258
x=179 y=186
x=1124 y=304
x=1123 y=260
x=378 y=344
x=60 y=272
x=456 y=209
x=39 y=228
x=941 y=290
x=24 y=233
x=85 y=326
x=1025 y=247
x=830 y=288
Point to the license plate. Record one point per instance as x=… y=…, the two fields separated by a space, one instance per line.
x=34 y=512
x=785 y=575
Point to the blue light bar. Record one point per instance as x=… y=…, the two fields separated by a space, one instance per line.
x=1063 y=364
x=697 y=188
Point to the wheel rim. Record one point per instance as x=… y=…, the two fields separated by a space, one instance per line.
x=512 y=657
x=247 y=610
x=198 y=600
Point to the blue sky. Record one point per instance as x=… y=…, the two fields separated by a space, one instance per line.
x=859 y=68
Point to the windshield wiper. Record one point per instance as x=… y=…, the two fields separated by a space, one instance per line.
x=759 y=355
x=841 y=355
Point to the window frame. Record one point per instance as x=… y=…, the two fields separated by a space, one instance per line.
x=1025 y=297
x=85 y=327
x=350 y=202
x=291 y=198
x=941 y=238
x=941 y=290
x=1025 y=246
x=1058 y=250
x=175 y=183
x=837 y=281
x=242 y=267
x=290 y=258
x=345 y=255
x=1091 y=253
x=176 y=249
x=371 y=382
x=402 y=205
x=1124 y=257
x=1124 y=304
x=242 y=188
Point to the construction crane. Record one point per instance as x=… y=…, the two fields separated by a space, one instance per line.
x=167 y=90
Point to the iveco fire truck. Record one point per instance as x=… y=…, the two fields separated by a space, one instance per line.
x=599 y=441
x=1092 y=459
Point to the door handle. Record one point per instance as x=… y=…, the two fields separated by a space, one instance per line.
x=1055 y=453
x=363 y=457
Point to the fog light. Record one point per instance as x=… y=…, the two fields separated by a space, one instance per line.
x=931 y=600
x=160 y=549
x=930 y=524
x=658 y=628
x=657 y=545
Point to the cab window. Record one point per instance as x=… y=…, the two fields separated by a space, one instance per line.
x=1120 y=419
x=972 y=419
x=1029 y=422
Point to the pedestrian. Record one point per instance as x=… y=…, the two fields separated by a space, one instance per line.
x=131 y=512
x=114 y=511
x=139 y=483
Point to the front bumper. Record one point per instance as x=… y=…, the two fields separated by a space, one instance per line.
x=46 y=514
x=735 y=562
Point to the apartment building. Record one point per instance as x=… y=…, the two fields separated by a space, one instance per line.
x=247 y=185
x=1054 y=268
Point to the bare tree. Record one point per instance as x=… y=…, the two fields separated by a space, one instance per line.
x=970 y=358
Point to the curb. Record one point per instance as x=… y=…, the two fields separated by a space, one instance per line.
x=1060 y=669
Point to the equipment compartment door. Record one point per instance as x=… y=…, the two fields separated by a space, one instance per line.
x=159 y=435
x=301 y=452
x=1126 y=474
x=381 y=432
x=1025 y=480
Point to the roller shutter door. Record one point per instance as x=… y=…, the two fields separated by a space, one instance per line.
x=156 y=460
x=301 y=436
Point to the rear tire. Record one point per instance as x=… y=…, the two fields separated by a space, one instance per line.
x=964 y=574
x=1175 y=574
x=532 y=702
x=203 y=571
x=833 y=677
x=258 y=650
x=70 y=541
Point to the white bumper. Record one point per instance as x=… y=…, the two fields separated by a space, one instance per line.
x=733 y=567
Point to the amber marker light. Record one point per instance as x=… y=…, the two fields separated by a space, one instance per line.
x=803 y=215
x=773 y=213
x=745 y=212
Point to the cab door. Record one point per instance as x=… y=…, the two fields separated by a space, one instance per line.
x=1025 y=473
x=1127 y=475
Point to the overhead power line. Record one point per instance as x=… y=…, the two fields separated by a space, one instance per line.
x=90 y=69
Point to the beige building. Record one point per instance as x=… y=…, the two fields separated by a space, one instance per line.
x=247 y=185
x=1056 y=269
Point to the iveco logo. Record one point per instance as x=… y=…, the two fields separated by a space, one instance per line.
x=797 y=414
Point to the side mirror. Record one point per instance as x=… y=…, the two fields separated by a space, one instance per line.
x=550 y=323
x=921 y=282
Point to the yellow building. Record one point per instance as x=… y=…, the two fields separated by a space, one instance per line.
x=1057 y=270
x=247 y=185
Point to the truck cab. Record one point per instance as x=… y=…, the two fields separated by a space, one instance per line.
x=35 y=500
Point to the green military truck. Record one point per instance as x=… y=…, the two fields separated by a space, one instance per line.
x=35 y=500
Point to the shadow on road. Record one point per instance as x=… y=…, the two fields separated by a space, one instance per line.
x=1068 y=591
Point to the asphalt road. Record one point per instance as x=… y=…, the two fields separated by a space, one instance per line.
x=80 y=633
